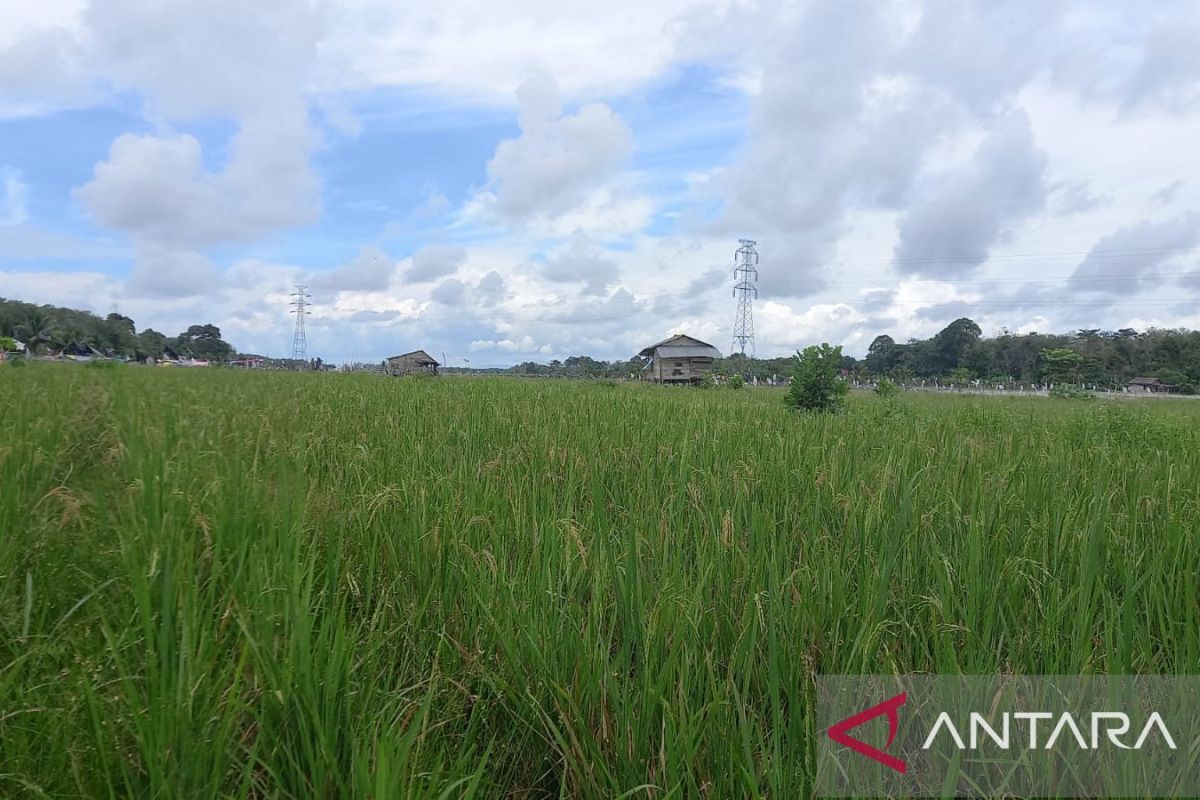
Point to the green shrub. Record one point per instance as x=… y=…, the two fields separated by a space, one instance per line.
x=736 y=382
x=1069 y=391
x=886 y=389
x=816 y=383
x=709 y=381
x=103 y=363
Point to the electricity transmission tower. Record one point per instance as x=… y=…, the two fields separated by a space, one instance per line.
x=300 y=309
x=745 y=276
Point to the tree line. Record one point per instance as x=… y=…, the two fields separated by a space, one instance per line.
x=46 y=329
x=960 y=355
x=1091 y=357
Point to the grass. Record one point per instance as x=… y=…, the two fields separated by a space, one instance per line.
x=220 y=584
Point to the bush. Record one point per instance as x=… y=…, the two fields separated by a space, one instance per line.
x=886 y=389
x=816 y=383
x=709 y=381
x=103 y=363
x=736 y=382
x=1070 y=392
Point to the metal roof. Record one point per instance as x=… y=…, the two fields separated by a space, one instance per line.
x=704 y=351
x=420 y=356
x=680 y=342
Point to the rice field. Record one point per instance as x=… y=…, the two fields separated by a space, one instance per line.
x=219 y=584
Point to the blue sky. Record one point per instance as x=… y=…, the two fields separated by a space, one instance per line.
x=538 y=180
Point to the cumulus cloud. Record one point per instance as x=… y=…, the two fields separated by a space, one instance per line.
x=483 y=49
x=435 y=261
x=372 y=270
x=1168 y=72
x=1074 y=197
x=251 y=64
x=42 y=71
x=171 y=272
x=488 y=291
x=524 y=344
x=1191 y=280
x=156 y=187
x=866 y=120
x=950 y=229
x=219 y=57
x=618 y=307
x=1122 y=261
x=14 y=198
x=583 y=261
x=491 y=289
x=450 y=292
x=833 y=322
x=1166 y=195
x=558 y=158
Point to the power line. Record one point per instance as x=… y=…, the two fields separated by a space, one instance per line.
x=977 y=280
x=1036 y=303
x=999 y=257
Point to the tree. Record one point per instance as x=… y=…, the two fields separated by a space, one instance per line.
x=37 y=330
x=953 y=341
x=882 y=355
x=204 y=341
x=150 y=344
x=816 y=383
x=1061 y=365
x=119 y=334
x=959 y=376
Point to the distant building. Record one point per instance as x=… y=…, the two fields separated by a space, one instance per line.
x=1148 y=386
x=249 y=361
x=414 y=363
x=680 y=359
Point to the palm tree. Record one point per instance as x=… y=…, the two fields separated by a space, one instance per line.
x=37 y=329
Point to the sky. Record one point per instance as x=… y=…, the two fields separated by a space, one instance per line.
x=535 y=179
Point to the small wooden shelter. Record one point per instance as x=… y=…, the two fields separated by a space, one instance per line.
x=1148 y=386
x=418 y=362
x=679 y=359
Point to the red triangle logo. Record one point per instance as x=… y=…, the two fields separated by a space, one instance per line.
x=839 y=731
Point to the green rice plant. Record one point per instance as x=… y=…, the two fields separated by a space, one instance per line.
x=254 y=584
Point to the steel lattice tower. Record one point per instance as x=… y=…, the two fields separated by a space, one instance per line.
x=300 y=309
x=745 y=276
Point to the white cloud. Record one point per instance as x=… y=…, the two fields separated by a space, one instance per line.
x=371 y=270
x=218 y=57
x=583 y=261
x=524 y=345
x=549 y=170
x=435 y=261
x=450 y=292
x=14 y=198
x=160 y=271
x=951 y=228
x=879 y=136
x=1132 y=255
x=482 y=49
x=157 y=188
